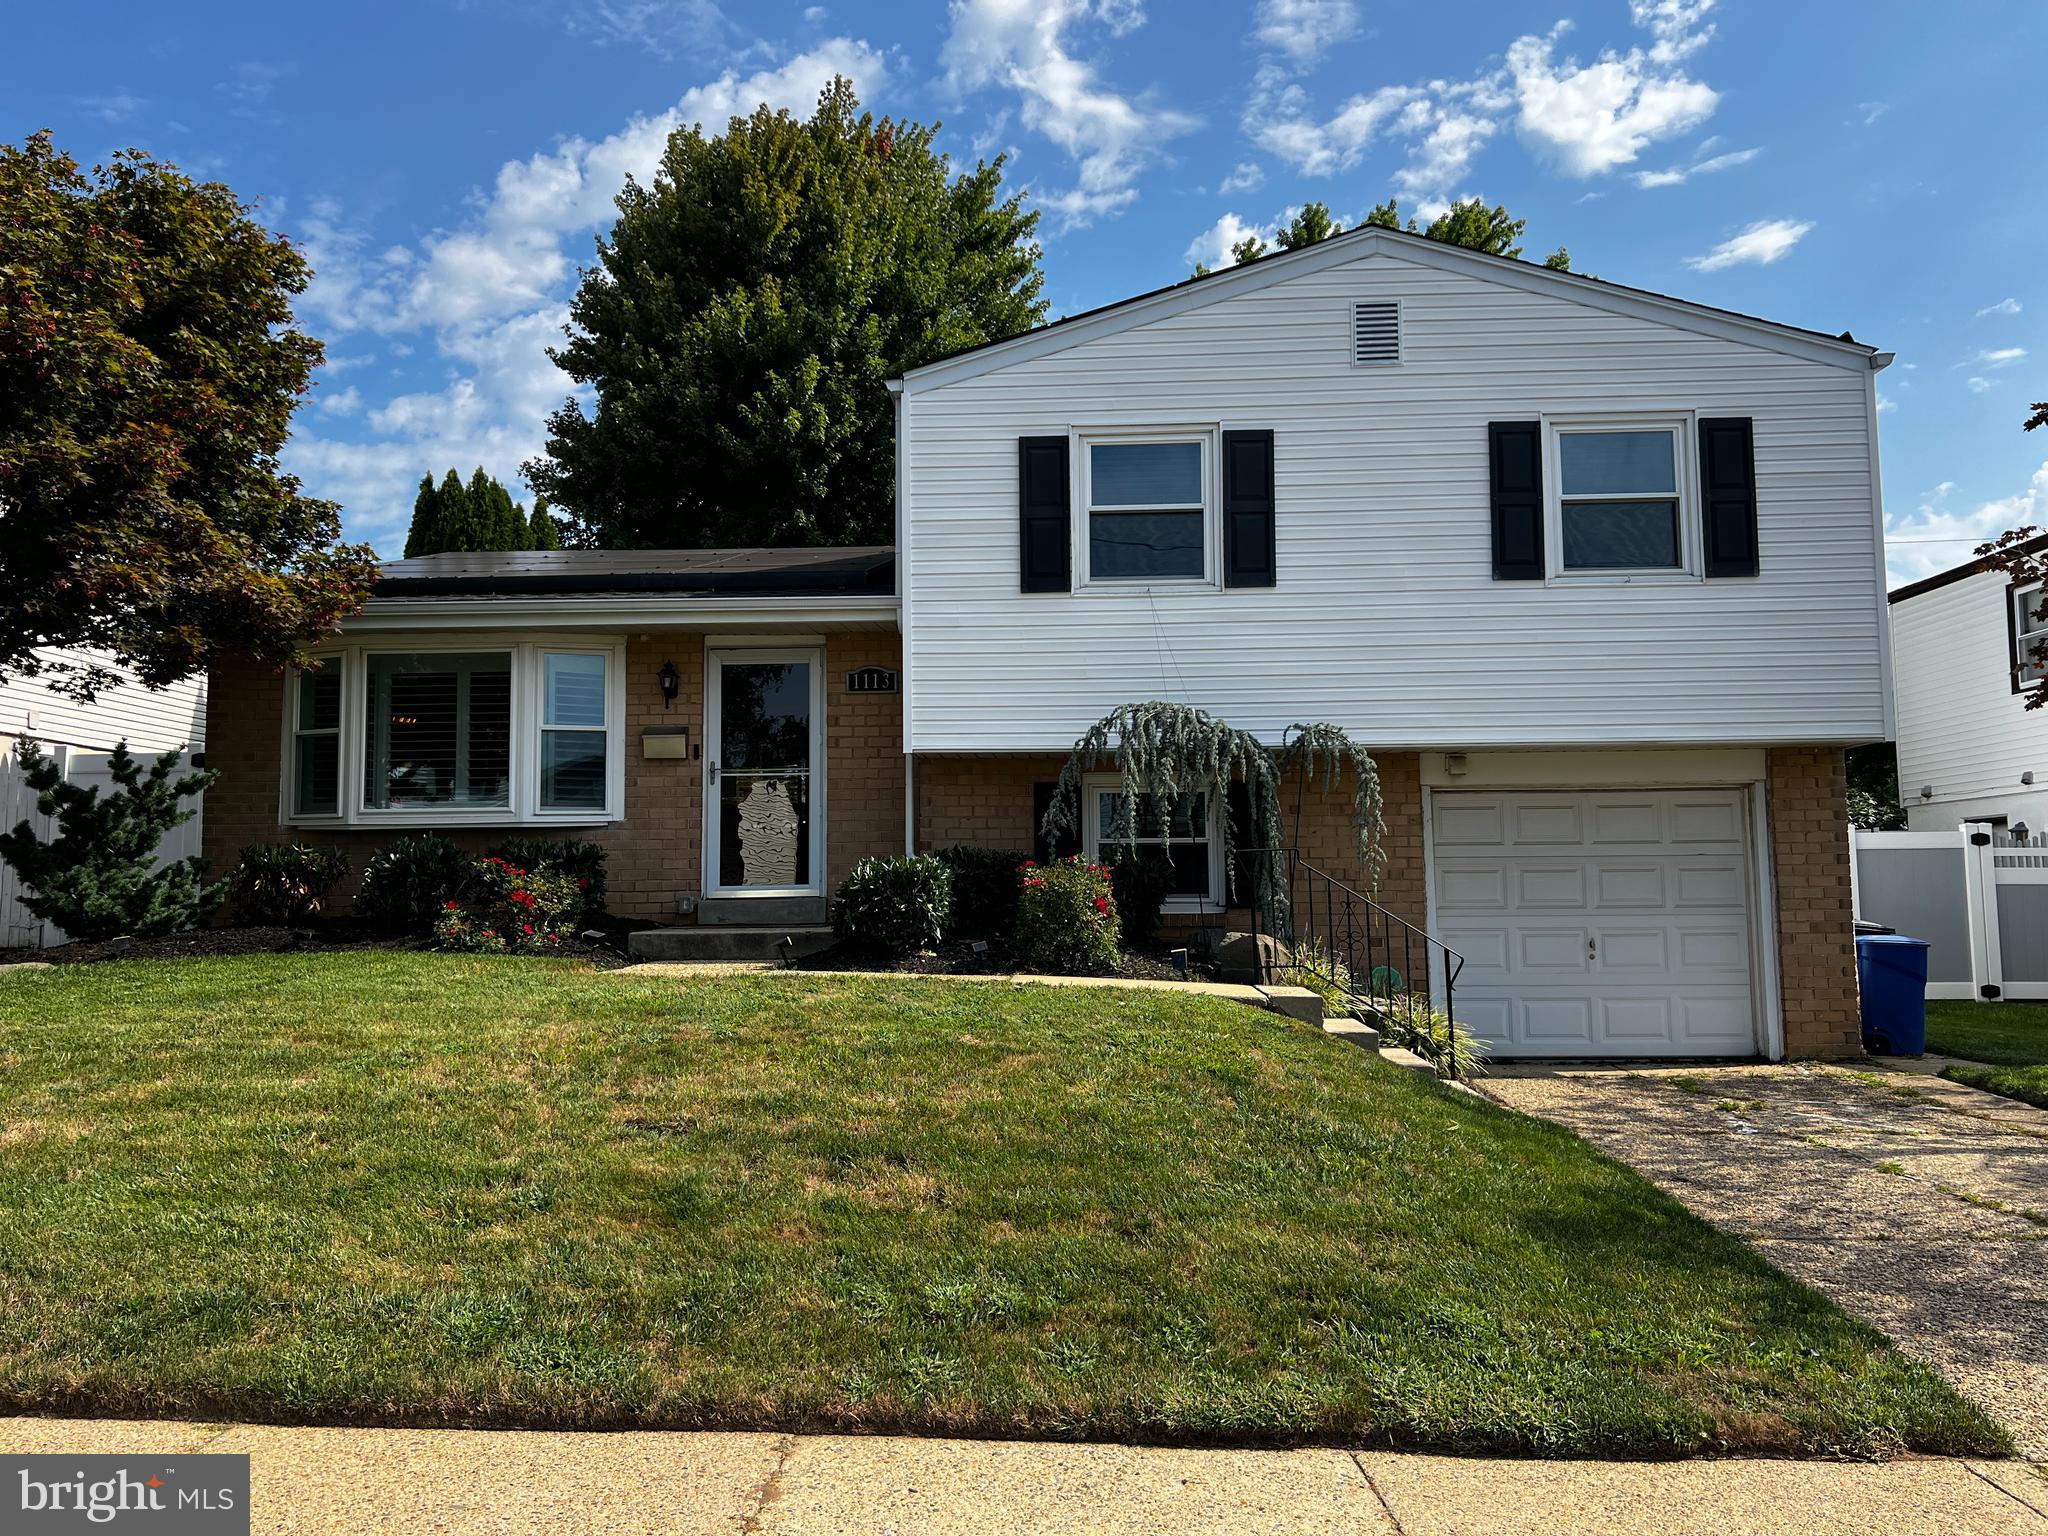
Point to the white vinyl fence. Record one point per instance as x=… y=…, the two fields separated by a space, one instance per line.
x=19 y=926
x=1981 y=907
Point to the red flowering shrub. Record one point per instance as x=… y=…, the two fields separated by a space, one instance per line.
x=1066 y=918
x=505 y=907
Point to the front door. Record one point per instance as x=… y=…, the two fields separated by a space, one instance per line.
x=763 y=773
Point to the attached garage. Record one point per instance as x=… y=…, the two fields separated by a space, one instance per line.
x=1601 y=923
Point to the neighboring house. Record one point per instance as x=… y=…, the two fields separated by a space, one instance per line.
x=82 y=738
x=1969 y=749
x=1597 y=575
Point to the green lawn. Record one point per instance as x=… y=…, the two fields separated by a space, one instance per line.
x=378 y=1187
x=2012 y=1037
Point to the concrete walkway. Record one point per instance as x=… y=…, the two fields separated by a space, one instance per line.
x=312 y=1482
x=1919 y=1204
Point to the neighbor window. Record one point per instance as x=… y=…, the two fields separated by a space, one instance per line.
x=1190 y=837
x=316 y=742
x=438 y=730
x=1620 y=507
x=1147 y=510
x=2028 y=628
x=572 y=731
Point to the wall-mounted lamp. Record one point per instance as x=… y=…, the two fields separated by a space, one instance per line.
x=2027 y=777
x=671 y=681
x=1926 y=791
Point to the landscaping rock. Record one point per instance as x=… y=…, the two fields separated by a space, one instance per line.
x=1249 y=957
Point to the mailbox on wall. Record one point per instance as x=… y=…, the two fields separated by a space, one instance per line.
x=665 y=741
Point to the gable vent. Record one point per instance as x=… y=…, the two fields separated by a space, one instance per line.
x=1375 y=334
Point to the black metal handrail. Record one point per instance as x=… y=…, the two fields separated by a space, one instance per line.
x=1353 y=944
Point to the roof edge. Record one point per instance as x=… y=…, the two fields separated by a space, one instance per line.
x=1949 y=578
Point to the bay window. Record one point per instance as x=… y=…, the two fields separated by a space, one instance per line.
x=477 y=734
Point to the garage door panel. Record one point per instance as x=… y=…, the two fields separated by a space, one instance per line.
x=1610 y=922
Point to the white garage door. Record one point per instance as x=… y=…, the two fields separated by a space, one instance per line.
x=1611 y=923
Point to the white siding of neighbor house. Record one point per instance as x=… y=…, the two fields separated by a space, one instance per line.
x=1962 y=729
x=1386 y=619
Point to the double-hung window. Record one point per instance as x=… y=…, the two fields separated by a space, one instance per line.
x=1190 y=837
x=316 y=742
x=479 y=734
x=1147 y=508
x=2029 y=628
x=1620 y=498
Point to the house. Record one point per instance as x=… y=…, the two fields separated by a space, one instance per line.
x=1596 y=573
x=1969 y=749
x=82 y=738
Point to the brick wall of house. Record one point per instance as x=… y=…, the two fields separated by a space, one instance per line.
x=1807 y=790
x=656 y=852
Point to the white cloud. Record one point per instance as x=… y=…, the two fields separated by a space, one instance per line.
x=2002 y=307
x=1977 y=385
x=1934 y=537
x=1763 y=242
x=2000 y=357
x=1677 y=175
x=1305 y=29
x=1868 y=112
x=664 y=28
x=341 y=402
x=1885 y=403
x=491 y=296
x=1024 y=46
x=1248 y=177
x=1591 y=118
x=1588 y=119
x=1212 y=247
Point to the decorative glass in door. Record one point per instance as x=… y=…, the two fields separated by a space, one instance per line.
x=762 y=774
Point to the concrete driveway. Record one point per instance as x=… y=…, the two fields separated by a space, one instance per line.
x=1916 y=1203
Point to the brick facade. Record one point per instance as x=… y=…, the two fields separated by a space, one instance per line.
x=656 y=852
x=1807 y=792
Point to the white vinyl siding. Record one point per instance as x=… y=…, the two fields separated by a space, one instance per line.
x=1385 y=618
x=150 y=720
x=1962 y=729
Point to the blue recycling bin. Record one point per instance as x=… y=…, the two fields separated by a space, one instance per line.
x=1891 y=971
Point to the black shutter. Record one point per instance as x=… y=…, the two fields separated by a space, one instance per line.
x=1515 y=480
x=1248 y=509
x=1728 y=495
x=1244 y=865
x=1045 y=516
x=1043 y=848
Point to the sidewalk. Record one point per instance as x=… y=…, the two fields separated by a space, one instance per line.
x=510 y=1483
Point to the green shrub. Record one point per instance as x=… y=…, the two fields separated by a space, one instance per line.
x=407 y=883
x=1140 y=878
x=506 y=907
x=896 y=906
x=581 y=861
x=285 y=882
x=97 y=877
x=1408 y=1020
x=1317 y=967
x=1066 y=918
x=984 y=891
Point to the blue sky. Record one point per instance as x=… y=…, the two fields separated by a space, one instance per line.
x=447 y=163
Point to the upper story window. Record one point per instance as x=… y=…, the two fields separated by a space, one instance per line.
x=1148 y=508
x=514 y=733
x=1619 y=500
x=2029 y=627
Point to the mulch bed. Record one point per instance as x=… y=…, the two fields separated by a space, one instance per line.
x=963 y=958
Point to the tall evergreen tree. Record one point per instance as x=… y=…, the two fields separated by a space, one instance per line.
x=428 y=530
x=458 y=520
x=541 y=530
x=745 y=315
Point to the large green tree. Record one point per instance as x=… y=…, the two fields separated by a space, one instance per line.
x=745 y=314
x=478 y=515
x=1471 y=224
x=149 y=368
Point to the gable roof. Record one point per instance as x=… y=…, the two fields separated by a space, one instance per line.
x=1958 y=573
x=1279 y=266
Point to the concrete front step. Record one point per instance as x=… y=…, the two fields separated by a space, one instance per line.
x=761 y=912
x=727 y=944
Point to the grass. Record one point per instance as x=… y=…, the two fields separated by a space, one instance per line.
x=2011 y=1038
x=385 y=1187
